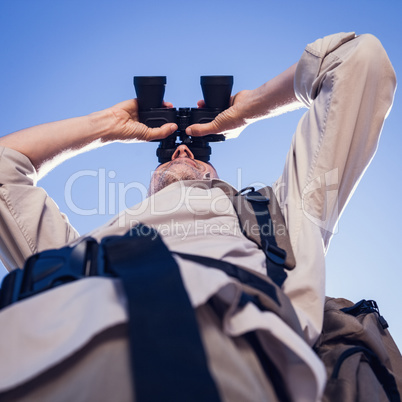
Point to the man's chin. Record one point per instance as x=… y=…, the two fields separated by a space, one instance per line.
x=175 y=173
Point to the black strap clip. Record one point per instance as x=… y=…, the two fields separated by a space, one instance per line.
x=253 y=196
x=49 y=269
x=275 y=254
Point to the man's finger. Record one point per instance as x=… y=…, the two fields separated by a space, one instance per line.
x=161 y=132
x=199 y=130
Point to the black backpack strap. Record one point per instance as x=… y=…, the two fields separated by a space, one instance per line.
x=261 y=221
x=167 y=355
x=241 y=201
x=279 y=228
x=275 y=256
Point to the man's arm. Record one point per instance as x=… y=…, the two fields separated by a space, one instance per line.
x=348 y=84
x=49 y=144
x=29 y=219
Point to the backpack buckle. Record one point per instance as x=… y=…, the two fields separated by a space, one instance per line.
x=49 y=269
x=252 y=195
x=275 y=254
x=256 y=197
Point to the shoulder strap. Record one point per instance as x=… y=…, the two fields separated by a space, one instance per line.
x=261 y=221
x=163 y=330
x=275 y=224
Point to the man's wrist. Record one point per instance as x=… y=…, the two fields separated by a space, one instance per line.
x=103 y=125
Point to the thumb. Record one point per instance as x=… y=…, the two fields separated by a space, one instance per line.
x=144 y=133
x=199 y=130
x=223 y=123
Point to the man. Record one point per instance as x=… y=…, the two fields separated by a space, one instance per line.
x=348 y=84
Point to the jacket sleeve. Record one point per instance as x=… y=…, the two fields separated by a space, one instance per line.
x=30 y=221
x=348 y=84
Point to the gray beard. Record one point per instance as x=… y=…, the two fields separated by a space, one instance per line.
x=170 y=176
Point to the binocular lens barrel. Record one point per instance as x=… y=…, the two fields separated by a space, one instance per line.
x=150 y=91
x=216 y=90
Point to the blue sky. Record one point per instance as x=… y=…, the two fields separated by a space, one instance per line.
x=62 y=59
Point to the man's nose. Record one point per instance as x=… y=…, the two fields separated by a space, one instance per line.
x=182 y=151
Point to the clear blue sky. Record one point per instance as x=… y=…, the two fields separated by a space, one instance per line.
x=62 y=59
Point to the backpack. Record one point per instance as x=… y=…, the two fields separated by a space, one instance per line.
x=361 y=359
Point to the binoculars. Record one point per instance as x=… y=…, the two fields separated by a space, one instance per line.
x=216 y=91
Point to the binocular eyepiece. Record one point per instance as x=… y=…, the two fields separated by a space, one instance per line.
x=150 y=91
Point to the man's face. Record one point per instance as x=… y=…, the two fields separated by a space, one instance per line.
x=183 y=166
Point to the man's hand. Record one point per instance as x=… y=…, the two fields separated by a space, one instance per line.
x=231 y=122
x=270 y=99
x=127 y=126
x=47 y=145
